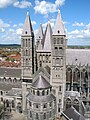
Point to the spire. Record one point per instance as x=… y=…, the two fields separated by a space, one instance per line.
x=27 y=29
x=39 y=38
x=40 y=46
x=59 y=26
x=40 y=33
x=48 y=35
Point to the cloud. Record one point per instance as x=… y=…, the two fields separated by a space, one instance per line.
x=59 y=2
x=10 y=34
x=22 y=4
x=19 y=31
x=33 y=23
x=79 y=34
x=3 y=24
x=2 y=30
x=15 y=3
x=5 y=3
x=78 y=24
x=44 y=7
x=87 y=26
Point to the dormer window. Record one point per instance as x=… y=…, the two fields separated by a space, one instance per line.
x=25 y=32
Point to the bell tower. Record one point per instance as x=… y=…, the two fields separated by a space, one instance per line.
x=27 y=58
x=27 y=49
x=58 y=62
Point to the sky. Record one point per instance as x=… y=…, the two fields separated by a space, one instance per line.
x=75 y=15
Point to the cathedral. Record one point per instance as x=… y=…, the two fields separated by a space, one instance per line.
x=53 y=81
x=51 y=84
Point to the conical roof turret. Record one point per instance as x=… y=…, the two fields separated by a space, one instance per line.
x=27 y=29
x=59 y=26
x=48 y=35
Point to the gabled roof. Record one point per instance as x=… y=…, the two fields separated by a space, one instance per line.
x=42 y=71
x=48 y=35
x=27 y=29
x=72 y=113
x=41 y=83
x=59 y=26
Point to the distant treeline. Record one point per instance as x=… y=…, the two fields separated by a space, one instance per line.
x=77 y=47
x=10 y=45
x=18 y=46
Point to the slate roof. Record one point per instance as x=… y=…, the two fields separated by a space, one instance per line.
x=10 y=72
x=15 y=92
x=41 y=83
x=73 y=114
x=78 y=56
x=39 y=99
x=8 y=86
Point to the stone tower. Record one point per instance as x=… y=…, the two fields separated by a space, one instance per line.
x=27 y=58
x=27 y=49
x=58 y=62
x=41 y=103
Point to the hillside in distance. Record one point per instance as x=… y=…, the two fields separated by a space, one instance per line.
x=68 y=46
x=10 y=45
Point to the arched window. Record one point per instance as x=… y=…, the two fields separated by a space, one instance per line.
x=40 y=64
x=26 y=52
x=26 y=43
x=37 y=117
x=50 y=114
x=57 y=61
x=13 y=104
x=54 y=41
x=45 y=106
x=44 y=116
x=34 y=92
x=7 y=103
x=30 y=103
x=1 y=93
x=38 y=93
x=47 y=92
x=76 y=104
x=76 y=75
x=50 y=104
x=43 y=92
x=30 y=114
x=68 y=103
x=69 y=75
x=36 y=105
